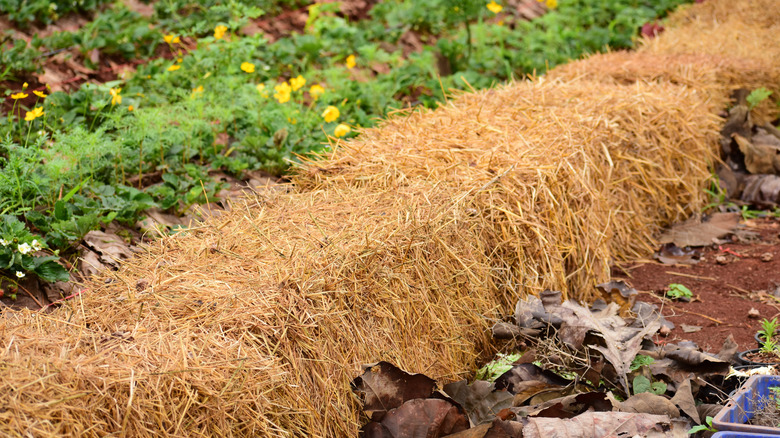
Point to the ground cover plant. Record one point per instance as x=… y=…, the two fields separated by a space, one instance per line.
x=207 y=96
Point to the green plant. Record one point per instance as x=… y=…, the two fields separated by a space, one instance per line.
x=768 y=329
x=20 y=253
x=707 y=427
x=677 y=291
x=640 y=361
x=643 y=384
x=770 y=347
x=757 y=96
x=495 y=368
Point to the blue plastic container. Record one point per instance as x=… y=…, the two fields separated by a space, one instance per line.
x=741 y=408
x=740 y=435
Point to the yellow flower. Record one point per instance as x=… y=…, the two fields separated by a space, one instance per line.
x=330 y=114
x=34 y=114
x=19 y=96
x=316 y=91
x=282 y=92
x=494 y=7
x=350 y=61
x=174 y=67
x=551 y=4
x=130 y=108
x=115 y=97
x=25 y=85
x=39 y=94
x=341 y=130
x=297 y=83
x=219 y=32
x=168 y=38
x=197 y=91
x=260 y=87
x=248 y=67
x=177 y=40
x=179 y=60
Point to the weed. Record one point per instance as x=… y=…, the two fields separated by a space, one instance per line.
x=707 y=427
x=677 y=291
x=768 y=329
x=757 y=96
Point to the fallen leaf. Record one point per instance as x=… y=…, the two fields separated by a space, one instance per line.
x=696 y=233
x=419 y=418
x=621 y=343
x=569 y=406
x=105 y=251
x=683 y=399
x=481 y=400
x=760 y=158
x=524 y=391
x=617 y=291
x=598 y=424
x=671 y=254
x=649 y=403
x=497 y=429
x=690 y=328
x=383 y=387
x=526 y=372
x=761 y=190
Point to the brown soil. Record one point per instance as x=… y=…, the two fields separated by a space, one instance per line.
x=724 y=290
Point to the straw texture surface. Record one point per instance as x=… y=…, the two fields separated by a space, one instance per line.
x=403 y=245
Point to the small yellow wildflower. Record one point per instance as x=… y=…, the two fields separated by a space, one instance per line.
x=116 y=98
x=25 y=85
x=19 y=96
x=292 y=121
x=34 y=114
x=40 y=94
x=283 y=91
x=197 y=91
x=261 y=90
x=341 y=130
x=219 y=32
x=316 y=91
x=297 y=83
x=330 y=114
x=177 y=40
x=350 y=61
x=494 y=7
x=174 y=67
x=130 y=108
x=551 y=4
x=179 y=60
x=168 y=38
x=248 y=67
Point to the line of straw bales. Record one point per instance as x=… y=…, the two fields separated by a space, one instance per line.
x=403 y=245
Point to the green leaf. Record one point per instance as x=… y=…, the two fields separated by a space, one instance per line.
x=658 y=388
x=52 y=271
x=757 y=96
x=641 y=384
x=73 y=191
x=639 y=361
x=61 y=212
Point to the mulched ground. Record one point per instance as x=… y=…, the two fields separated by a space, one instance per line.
x=725 y=288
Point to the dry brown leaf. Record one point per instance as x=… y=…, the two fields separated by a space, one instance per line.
x=481 y=400
x=683 y=399
x=649 y=403
x=419 y=418
x=696 y=233
x=760 y=158
x=599 y=424
x=383 y=387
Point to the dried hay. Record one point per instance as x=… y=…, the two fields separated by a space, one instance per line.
x=401 y=246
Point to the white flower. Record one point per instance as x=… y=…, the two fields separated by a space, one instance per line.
x=36 y=246
x=24 y=248
x=4 y=242
x=19 y=274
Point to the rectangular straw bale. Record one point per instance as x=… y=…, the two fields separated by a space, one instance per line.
x=404 y=245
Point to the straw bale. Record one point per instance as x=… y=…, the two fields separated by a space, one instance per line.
x=403 y=245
